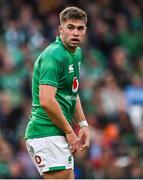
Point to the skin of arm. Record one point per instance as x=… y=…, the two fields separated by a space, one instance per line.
x=49 y=103
x=84 y=131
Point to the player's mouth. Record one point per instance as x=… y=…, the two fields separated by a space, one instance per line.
x=75 y=40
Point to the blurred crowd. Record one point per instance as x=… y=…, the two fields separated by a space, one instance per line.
x=111 y=86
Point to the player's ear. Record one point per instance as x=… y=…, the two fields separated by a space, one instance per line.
x=60 y=28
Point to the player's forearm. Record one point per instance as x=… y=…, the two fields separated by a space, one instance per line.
x=56 y=115
x=78 y=114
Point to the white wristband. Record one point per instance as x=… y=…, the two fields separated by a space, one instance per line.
x=83 y=123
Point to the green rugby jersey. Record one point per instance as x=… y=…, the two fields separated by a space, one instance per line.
x=58 y=67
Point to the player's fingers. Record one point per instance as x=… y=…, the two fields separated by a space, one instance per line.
x=82 y=148
x=87 y=141
x=74 y=147
x=73 y=151
x=80 y=135
x=85 y=145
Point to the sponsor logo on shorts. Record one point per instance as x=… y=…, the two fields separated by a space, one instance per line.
x=31 y=150
x=38 y=159
x=70 y=159
x=41 y=166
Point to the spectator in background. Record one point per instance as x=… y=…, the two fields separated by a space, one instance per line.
x=112 y=97
x=134 y=98
x=120 y=66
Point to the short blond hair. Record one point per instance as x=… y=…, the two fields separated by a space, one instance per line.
x=72 y=13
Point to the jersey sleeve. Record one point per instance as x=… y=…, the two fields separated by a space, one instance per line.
x=49 y=71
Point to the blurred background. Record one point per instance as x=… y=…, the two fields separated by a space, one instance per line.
x=111 y=87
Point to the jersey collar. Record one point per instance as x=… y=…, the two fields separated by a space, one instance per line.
x=58 y=39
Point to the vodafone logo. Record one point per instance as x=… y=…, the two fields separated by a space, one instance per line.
x=38 y=159
x=75 y=85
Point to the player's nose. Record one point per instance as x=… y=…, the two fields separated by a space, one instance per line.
x=76 y=32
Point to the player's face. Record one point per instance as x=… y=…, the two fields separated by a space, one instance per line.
x=72 y=33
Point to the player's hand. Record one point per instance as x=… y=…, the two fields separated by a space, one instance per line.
x=84 y=138
x=73 y=141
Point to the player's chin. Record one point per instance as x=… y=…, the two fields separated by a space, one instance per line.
x=74 y=45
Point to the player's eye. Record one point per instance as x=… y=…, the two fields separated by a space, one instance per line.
x=81 y=28
x=70 y=27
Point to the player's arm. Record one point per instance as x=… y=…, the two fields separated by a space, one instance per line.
x=84 y=129
x=48 y=101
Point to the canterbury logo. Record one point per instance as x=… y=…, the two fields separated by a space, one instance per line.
x=71 y=69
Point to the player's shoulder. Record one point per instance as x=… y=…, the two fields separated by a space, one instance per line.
x=54 y=50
